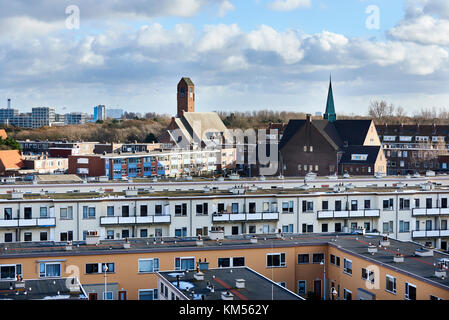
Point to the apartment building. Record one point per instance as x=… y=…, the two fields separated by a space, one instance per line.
x=413 y=148
x=418 y=213
x=336 y=267
x=75 y=118
x=100 y=112
x=152 y=164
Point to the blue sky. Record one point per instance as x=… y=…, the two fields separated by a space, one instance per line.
x=242 y=55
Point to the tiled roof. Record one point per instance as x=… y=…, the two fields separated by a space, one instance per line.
x=11 y=159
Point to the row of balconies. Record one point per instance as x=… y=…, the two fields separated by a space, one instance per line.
x=34 y=222
x=135 y=220
x=430 y=211
x=330 y=214
x=436 y=233
x=231 y=217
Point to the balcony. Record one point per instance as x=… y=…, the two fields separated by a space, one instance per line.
x=232 y=217
x=421 y=212
x=437 y=233
x=28 y=223
x=347 y=214
x=135 y=220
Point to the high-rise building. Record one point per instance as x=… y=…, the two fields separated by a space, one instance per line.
x=42 y=116
x=99 y=112
x=75 y=118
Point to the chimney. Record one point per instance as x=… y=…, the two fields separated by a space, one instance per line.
x=9 y=103
x=240 y=283
x=309 y=117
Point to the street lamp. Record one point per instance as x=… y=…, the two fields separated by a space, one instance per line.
x=105 y=269
x=324 y=279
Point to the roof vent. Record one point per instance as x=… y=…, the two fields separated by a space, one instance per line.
x=240 y=283
x=385 y=242
x=199 y=276
x=398 y=258
x=254 y=239
x=424 y=252
x=372 y=249
x=227 y=296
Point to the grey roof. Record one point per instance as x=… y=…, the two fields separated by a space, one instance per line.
x=188 y=81
x=371 y=151
x=197 y=124
x=39 y=289
x=257 y=287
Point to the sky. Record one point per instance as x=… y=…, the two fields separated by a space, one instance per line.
x=242 y=55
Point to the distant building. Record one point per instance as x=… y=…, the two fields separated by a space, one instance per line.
x=10 y=162
x=331 y=146
x=75 y=118
x=42 y=116
x=43 y=164
x=114 y=113
x=99 y=113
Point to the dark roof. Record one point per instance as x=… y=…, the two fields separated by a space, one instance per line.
x=337 y=133
x=371 y=151
x=353 y=131
x=39 y=289
x=257 y=287
x=188 y=81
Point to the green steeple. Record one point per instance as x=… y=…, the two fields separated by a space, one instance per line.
x=330 y=109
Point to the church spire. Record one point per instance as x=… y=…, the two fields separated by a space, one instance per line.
x=330 y=108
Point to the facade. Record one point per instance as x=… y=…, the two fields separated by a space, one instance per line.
x=152 y=164
x=119 y=211
x=99 y=113
x=413 y=148
x=324 y=266
x=44 y=164
x=114 y=113
x=42 y=116
x=75 y=118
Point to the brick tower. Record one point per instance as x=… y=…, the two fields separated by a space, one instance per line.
x=186 y=96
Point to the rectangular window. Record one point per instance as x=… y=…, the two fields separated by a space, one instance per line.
x=303 y=258
x=324 y=227
x=404 y=204
x=185 y=263
x=49 y=270
x=276 y=260
x=8 y=213
x=143 y=210
x=368 y=275
x=148 y=294
x=143 y=233
x=27 y=213
x=404 y=226
x=125 y=211
x=148 y=265
x=108 y=295
x=317 y=257
x=410 y=291
x=10 y=271
x=367 y=204
x=43 y=212
x=8 y=237
x=28 y=236
x=347 y=266
x=110 y=211
x=347 y=295
x=158 y=209
x=332 y=259
x=302 y=287
x=325 y=205
x=66 y=213
x=231 y=262
x=390 y=284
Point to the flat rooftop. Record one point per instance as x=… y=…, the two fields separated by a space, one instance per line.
x=39 y=289
x=355 y=244
x=257 y=287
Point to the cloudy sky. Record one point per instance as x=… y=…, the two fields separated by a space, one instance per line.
x=241 y=54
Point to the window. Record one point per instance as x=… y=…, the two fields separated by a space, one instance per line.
x=148 y=265
x=8 y=213
x=88 y=212
x=27 y=213
x=181 y=232
x=325 y=205
x=317 y=257
x=332 y=259
x=231 y=262
x=125 y=233
x=404 y=204
x=287 y=206
x=66 y=213
x=410 y=291
x=8 y=237
x=347 y=266
x=10 y=271
x=347 y=295
x=148 y=294
x=404 y=226
x=43 y=212
x=235 y=208
x=108 y=295
x=125 y=211
x=49 y=270
x=276 y=260
x=28 y=236
x=324 y=227
x=338 y=261
x=303 y=258
x=307 y=206
x=181 y=209
x=354 y=205
x=158 y=209
x=184 y=263
x=368 y=275
x=367 y=204
x=202 y=208
x=302 y=287
x=143 y=210
x=388 y=204
x=337 y=205
x=390 y=284
x=66 y=236
x=143 y=233
x=110 y=234
x=387 y=227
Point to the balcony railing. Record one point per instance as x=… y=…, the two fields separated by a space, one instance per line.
x=416 y=212
x=135 y=220
x=28 y=223
x=437 y=233
x=231 y=217
x=332 y=214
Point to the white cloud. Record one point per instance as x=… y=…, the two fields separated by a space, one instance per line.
x=288 y=5
x=217 y=37
x=287 y=44
x=424 y=29
x=225 y=7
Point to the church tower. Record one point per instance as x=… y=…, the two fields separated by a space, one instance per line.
x=330 y=108
x=186 y=96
